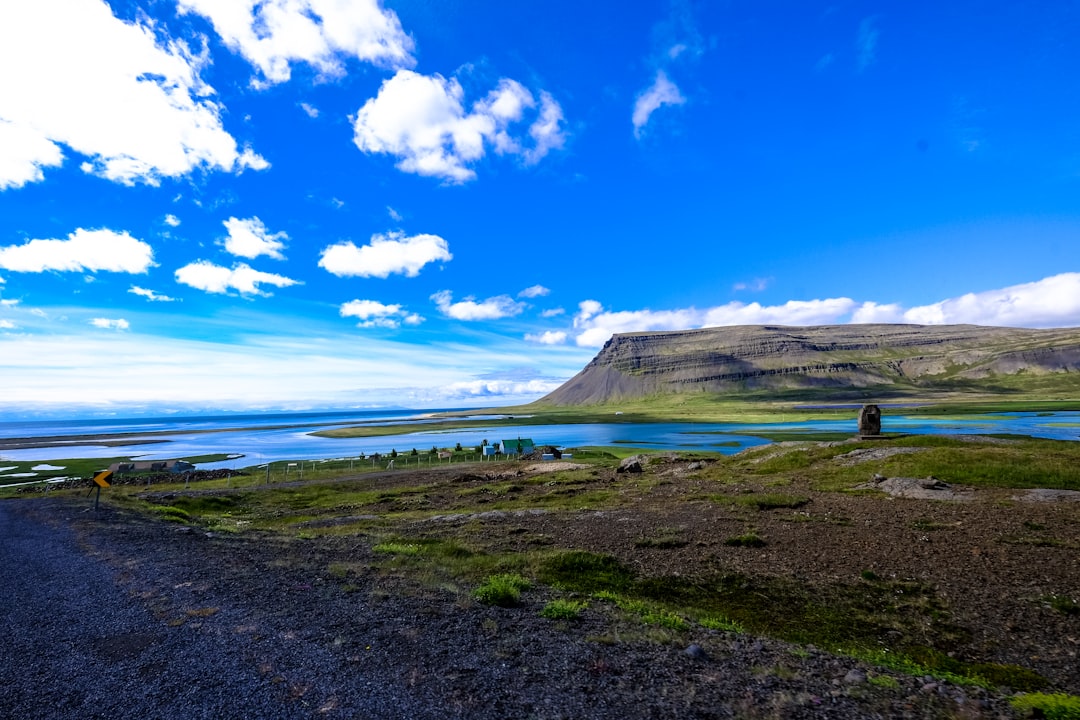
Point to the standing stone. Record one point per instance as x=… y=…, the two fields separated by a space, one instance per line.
x=870 y=420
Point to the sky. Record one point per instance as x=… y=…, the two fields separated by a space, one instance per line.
x=309 y=204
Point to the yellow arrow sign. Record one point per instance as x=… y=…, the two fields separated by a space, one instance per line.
x=102 y=478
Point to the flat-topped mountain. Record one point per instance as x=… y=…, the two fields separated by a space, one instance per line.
x=846 y=358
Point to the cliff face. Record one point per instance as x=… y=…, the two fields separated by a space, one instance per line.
x=732 y=359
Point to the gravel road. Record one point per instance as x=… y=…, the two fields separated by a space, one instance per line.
x=112 y=615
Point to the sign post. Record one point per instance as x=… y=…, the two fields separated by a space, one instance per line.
x=101 y=480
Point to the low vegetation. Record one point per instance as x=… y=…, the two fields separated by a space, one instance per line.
x=664 y=552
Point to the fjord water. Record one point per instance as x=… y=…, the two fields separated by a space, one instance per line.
x=269 y=438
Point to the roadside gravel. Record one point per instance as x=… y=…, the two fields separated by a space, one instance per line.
x=111 y=615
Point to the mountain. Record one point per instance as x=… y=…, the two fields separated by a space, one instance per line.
x=829 y=359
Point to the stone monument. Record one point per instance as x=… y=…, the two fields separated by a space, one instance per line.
x=870 y=421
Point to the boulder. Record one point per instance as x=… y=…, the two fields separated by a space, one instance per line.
x=870 y=420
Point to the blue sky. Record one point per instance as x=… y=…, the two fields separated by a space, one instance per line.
x=294 y=204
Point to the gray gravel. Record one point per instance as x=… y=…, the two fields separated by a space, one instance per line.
x=110 y=615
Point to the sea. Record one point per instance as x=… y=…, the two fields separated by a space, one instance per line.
x=256 y=439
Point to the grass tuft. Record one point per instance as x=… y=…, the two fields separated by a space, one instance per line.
x=503 y=590
x=1055 y=706
x=748 y=539
x=563 y=609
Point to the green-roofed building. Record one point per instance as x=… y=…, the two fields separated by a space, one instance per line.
x=516 y=446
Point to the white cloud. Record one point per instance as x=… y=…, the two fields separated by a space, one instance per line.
x=23 y=154
x=422 y=121
x=872 y=312
x=394 y=214
x=494 y=308
x=97 y=371
x=134 y=106
x=793 y=312
x=587 y=309
x=7 y=325
x=499 y=388
x=866 y=43
x=392 y=253
x=249 y=239
x=550 y=337
x=111 y=324
x=311 y=111
x=83 y=250
x=534 y=292
x=755 y=285
x=546 y=131
x=553 y=312
x=1050 y=302
x=272 y=34
x=203 y=275
x=375 y=314
x=172 y=221
x=12 y=302
x=596 y=326
x=150 y=294
x=661 y=92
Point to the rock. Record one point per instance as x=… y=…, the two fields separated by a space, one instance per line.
x=696 y=651
x=855 y=677
x=695 y=466
x=870 y=420
x=632 y=464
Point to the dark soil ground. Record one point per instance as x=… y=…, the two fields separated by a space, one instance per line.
x=308 y=618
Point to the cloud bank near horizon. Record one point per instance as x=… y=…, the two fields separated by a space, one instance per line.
x=1050 y=302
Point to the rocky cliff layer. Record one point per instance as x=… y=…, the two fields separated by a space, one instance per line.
x=733 y=359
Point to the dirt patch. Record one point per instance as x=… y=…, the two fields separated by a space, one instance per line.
x=1048 y=495
x=552 y=466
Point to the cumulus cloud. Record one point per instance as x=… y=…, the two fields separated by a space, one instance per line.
x=133 y=106
x=111 y=323
x=82 y=251
x=249 y=239
x=23 y=153
x=389 y=254
x=493 y=308
x=310 y=110
x=150 y=295
x=661 y=92
x=211 y=278
x=172 y=221
x=550 y=337
x=273 y=34
x=375 y=314
x=534 y=292
x=422 y=121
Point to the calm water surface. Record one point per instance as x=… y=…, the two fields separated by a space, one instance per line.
x=259 y=441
